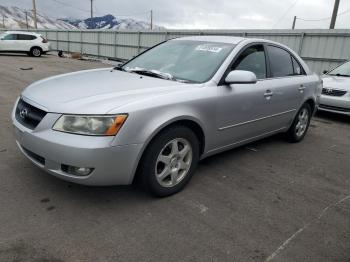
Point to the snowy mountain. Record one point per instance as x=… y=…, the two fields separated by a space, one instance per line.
x=15 y=18
x=109 y=22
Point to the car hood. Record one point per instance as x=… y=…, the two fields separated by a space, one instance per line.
x=96 y=91
x=336 y=82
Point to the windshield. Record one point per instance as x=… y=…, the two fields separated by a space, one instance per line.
x=194 y=61
x=343 y=70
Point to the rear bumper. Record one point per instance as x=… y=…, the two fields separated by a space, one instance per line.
x=49 y=150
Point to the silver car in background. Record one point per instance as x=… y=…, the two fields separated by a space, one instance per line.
x=336 y=90
x=157 y=115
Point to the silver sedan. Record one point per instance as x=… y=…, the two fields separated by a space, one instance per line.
x=154 y=117
x=336 y=91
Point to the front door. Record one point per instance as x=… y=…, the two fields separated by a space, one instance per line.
x=244 y=109
x=8 y=42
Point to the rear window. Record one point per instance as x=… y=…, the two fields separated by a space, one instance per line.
x=281 y=62
x=25 y=37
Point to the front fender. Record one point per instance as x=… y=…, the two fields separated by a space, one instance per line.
x=142 y=132
x=142 y=126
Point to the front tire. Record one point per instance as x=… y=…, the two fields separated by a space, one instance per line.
x=169 y=161
x=36 y=51
x=300 y=125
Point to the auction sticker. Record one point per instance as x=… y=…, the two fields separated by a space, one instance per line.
x=208 y=48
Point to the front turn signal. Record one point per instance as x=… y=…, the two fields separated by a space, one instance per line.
x=117 y=124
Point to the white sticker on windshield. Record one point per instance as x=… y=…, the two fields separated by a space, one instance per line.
x=208 y=48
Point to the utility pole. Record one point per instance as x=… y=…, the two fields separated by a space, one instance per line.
x=27 y=19
x=92 y=9
x=34 y=15
x=294 y=21
x=334 y=15
x=151 y=19
x=3 y=21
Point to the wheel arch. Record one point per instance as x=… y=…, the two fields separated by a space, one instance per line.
x=186 y=121
x=312 y=104
x=35 y=46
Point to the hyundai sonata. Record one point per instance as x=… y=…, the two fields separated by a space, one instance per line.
x=158 y=114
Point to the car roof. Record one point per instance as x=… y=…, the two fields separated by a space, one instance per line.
x=22 y=32
x=226 y=39
x=214 y=38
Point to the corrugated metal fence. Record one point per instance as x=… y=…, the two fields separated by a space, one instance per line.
x=321 y=49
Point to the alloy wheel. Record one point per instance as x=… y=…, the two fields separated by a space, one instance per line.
x=36 y=52
x=303 y=121
x=173 y=162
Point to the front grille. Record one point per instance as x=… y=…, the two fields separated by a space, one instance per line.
x=335 y=108
x=333 y=92
x=34 y=156
x=28 y=115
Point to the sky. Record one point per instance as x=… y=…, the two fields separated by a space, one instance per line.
x=202 y=14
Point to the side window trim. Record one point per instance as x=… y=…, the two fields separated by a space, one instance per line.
x=228 y=69
x=302 y=73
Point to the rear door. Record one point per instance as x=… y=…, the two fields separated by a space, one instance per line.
x=286 y=84
x=25 y=42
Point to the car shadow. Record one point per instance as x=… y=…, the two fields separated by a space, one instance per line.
x=11 y=54
x=20 y=55
x=329 y=116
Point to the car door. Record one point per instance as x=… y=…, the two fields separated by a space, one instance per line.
x=25 y=42
x=245 y=110
x=287 y=84
x=8 y=42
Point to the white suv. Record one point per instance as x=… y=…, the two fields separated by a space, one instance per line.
x=31 y=43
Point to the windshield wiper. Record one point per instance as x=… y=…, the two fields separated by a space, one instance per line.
x=154 y=73
x=119 y=67
x=339 y=75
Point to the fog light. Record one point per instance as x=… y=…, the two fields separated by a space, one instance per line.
x=77 y=171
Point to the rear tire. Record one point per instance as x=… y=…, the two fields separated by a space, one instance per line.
x=36 y=51
x=169 y=161
x=300 y=125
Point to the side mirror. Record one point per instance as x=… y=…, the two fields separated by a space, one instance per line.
x=325 y=72
x=241 y=77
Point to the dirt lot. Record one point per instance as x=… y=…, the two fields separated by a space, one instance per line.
x=269 y=201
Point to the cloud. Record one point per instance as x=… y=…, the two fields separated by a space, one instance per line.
x=202 y=14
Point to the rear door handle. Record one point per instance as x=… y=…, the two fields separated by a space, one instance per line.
x=301 y=88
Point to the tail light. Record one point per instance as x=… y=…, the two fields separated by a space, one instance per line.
x=44 y=40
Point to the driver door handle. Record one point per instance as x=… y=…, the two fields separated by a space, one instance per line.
x=268 y=94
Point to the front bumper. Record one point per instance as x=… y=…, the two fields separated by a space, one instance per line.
x=48 y=149
x=340 y=105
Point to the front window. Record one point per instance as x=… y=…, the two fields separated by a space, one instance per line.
x=252 y=59
x=194 y=61
x=9 y=37
x=343 y=70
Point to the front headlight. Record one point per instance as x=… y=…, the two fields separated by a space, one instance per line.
x=90 y=125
